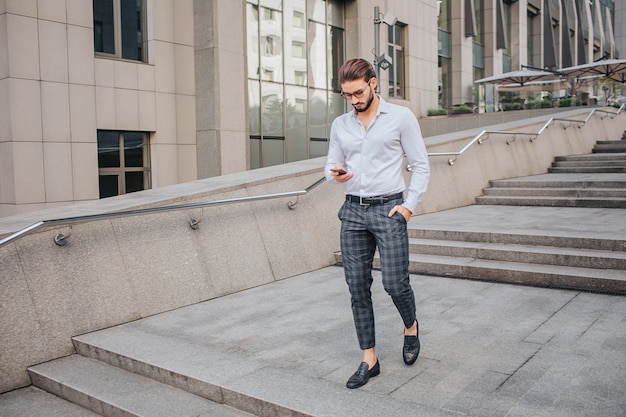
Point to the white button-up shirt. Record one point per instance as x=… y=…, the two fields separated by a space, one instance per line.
x=375 y=156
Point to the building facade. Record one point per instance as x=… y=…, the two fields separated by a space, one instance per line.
x=105 y=97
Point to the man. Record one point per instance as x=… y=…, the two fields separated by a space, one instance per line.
x=366 y=152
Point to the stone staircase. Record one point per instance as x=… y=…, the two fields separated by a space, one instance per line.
x=114 y=391
x=599 y=189
x=119 y=372
x=528 y=249
x=562 y=262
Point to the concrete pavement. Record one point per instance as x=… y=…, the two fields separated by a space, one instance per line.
x=488 y=349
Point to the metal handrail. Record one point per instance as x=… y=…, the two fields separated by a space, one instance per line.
x=484 y=134
x=60 y=239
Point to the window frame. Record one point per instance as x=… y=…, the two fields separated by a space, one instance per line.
x=122 y=169
x=117 y=33
x=397 y=72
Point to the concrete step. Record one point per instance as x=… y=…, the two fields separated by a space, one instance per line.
x=547 y=239
x=616 y=148
x=592 y=157
x=111 y=391
x=585 y=170
x=548 y=255
x=551 y=276
x=554 y=276
x=584 y=164
x=599 y=202
x=226 y=367
x=560 y=181
x=612 y=142
x=556 y=192
x=34 y=402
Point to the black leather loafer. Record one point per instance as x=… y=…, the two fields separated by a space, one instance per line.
x=362 y=375
x=411 y=349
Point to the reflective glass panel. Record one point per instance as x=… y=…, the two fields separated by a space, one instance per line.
x=296 y=133
x=254 y=107
x=336 y=15
x=108 y=149
x=131 y=29
x=252 y=17
x=103 y=27
x=336 y=107
x=134 y=181
x=273 y=152
x=317 y=55
x=271 y=45
x=133 y=149
x=272 y=109
x=255 y=153
x=336 y=56
x=318 y=147
x=295 y=43
x=108 y=186
x=317 y=10
x=317 y=114
x=274 y=4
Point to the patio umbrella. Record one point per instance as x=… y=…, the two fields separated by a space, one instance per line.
x=536 y=86
x=614 y=69
x=521 y=77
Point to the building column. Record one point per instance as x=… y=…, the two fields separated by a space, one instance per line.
x=462 y=56
x=221 y=114
x=493 y=55
x=519 y=35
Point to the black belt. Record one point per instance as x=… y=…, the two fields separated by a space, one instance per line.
x=367 y=201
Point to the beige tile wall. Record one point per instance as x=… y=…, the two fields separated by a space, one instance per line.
x=55 y=94
x=4 y=53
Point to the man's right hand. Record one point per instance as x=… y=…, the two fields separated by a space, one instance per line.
x=338 y=176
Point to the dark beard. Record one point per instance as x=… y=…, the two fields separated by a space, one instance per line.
x=367 y=106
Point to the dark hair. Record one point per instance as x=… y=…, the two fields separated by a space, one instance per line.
x=355 y=69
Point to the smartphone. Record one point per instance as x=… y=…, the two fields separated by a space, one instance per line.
x=339 y=171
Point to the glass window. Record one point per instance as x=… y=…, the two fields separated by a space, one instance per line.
x=103 y=28
x=296 y=108
x=317 y=55
x=118 y=27
x=123 y=162
x=109 y=185
x=395 y=36
x=294 y=49
x=252 y=19
x=316 y=10
x=317 y=116
x=271 y=45
x=445 y=82
x=108 y=149
x=336 y=13
x=335 y=57
x=254 y=107
x=272 y=109
x=443 y=15
x=298 y=20
x=480 y=23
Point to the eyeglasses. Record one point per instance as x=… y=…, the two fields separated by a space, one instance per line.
x=357 y=94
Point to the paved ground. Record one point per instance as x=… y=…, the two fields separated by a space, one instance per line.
x=488 y=349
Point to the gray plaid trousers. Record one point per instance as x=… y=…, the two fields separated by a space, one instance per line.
x=363 y=229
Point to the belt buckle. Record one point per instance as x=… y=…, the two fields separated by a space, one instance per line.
x=361 y=203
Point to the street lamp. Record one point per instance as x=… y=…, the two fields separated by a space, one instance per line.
x=381 y=61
